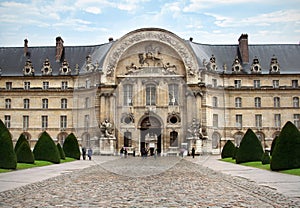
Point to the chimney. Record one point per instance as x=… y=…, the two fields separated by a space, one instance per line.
x=59 y=49
x=26 y=53
x=110 y=39
x=243 y=48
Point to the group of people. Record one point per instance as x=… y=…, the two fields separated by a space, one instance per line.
x=89 y=153
x=124 y=152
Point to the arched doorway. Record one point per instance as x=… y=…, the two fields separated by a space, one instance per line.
x=150 y=130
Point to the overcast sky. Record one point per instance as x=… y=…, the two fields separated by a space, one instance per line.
x=92 y=22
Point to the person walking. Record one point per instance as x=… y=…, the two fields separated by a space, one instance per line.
x=83 y=153
x=121 y=152
x=193 y=152
x=90 y=152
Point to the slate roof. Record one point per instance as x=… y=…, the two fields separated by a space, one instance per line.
x=12 y=59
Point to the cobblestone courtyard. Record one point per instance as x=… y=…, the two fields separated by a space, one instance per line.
x=137 y=182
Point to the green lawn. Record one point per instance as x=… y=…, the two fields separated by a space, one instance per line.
x=38 y=163
x=258 y=164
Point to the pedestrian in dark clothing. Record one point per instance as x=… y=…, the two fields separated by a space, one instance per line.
x=90 y=152
x=83 y=153
x=125 y=152
x=121 y=152
x=193 y=152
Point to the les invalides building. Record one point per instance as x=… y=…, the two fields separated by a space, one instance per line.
x=150 y=89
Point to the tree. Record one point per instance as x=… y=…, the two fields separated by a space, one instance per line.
x=273 y=145
x=71 y=147
x=21 y=139
x=8 y=158
x=250 y=148
x=45 y=149
x=24 y=153
x=265 y=158
x=286 y=154
x=228 y=149
x=61 y=152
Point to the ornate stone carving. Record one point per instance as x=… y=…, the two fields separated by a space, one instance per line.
x=194 y=130
x=28 y=69
x=255 y=67
x=46 y=69
x=107 y=129
x=165 y=37
x=274 y=66
x=236 y=65
x=89 y=67
x=65 y=69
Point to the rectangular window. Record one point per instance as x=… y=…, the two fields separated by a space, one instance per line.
x=26 y=85
x=86 y=122
x=275 y=83
x=295 y=83
x=150 y=95
x=257 y=102
x=239 y=121
x=297 y=120
x=276 y=102
x=173 y=94
x=238 y=102
x=214 y=83
x=215 y=102
x=8 y=85
x=127 y=91
x=44 y=122
x=25 y=122
x=63 y=122
x=215 y=120
x=258 y=121
x=45 y=103
x=26 y=103
x=127 y=139
x=64 y=85
x=8 y=103
x=256 y=83
x=87 y=102
x=7 y=121
x=295 y=102
x=237 y=83
x=277 y=118
x=45 y=85
x=64 y=103
x=87 y=83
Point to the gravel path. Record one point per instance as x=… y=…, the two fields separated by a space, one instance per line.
x=137 y=182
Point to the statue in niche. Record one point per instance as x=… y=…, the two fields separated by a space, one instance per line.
x=107 y=129
x=151 y=57
x=194 y=130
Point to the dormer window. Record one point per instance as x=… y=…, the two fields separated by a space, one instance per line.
x=46 y=69
x=236 y=66
x=255 y=67
x=28 y=68
x=89 y=67
x=212 y=63
x=274 y=66
x=65 y=69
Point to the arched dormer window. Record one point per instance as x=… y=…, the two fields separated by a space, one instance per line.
x=255 y=67
x=274 y=66
x=236 y=66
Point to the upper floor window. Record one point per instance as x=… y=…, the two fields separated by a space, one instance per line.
x=256 y=83
x=276 y=102
x=215 y=102
x=7 y=121
x=238 y=102
x=150 y=94
x=127 y=91
x=215 y=120
x=87 y=83
x=26 y=103
x=26 y=85
x=277 y=118
x=239 y=121
x=45 y=85
x=25 y=122
x=63 y=122
x=295 y=83
x=87 y=102
x=173 y=94
x=64 y=103
x=44 y=122
x=295 y=102
x=275 y=83
x=258 y=121
x=237 y=83
x=214 y=83
x=44 y=103
x=64 y=85
x=297 y=120
x=8 y=85
x=257 y=102
x=8 y=103
x=86 y=121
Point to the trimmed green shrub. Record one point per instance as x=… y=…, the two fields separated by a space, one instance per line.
x=273 y=145
x=71 y=147
x=286 y=154
x=45 y=149
x=20 y=141
x=8 y=158
x=61 y=152
x=265 y=159
x=228 y=149
x=236 y=149
x=24 y=153
x=250 y=148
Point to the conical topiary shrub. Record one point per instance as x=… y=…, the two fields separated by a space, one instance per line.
x=24 y=153
x=273 y=145
x=265 y=158
x=20 y=141
x=61 y=152
x=286 y=154
x=45 y=149
x=250 y=148
x=71 y=147
x=228 y=149
x=8 y=158
x=236 y=149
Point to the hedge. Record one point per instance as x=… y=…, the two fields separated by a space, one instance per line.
x=71 y=147
x=228 y=149
x=24 y=153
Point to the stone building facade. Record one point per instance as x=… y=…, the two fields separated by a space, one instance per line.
x=150 y=89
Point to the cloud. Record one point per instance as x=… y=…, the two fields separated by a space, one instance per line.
x=93 y=10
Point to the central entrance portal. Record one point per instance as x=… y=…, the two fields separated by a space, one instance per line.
x=151 y=135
